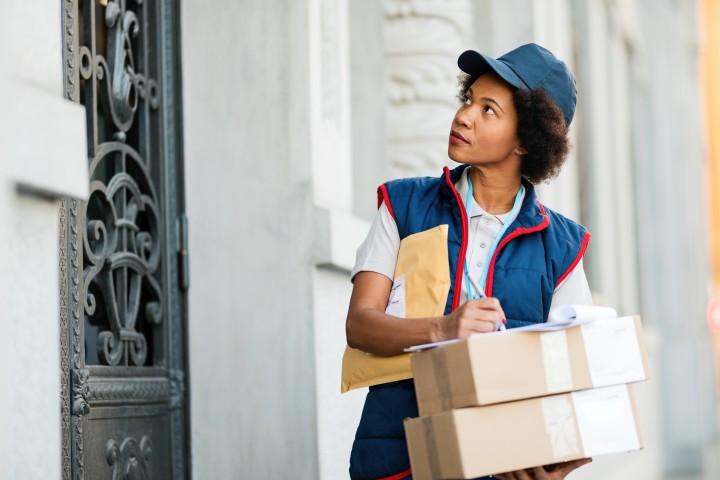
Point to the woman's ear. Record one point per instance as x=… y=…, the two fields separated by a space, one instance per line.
x=520 y=151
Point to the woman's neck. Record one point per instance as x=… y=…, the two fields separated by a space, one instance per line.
x=494 y=191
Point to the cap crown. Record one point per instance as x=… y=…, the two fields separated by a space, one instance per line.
x=529 y=66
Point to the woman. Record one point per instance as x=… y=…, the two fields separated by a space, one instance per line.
x=509 y=257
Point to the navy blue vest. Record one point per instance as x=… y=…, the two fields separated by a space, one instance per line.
x=536 y=253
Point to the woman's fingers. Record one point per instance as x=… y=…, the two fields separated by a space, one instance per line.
x=474 y=316
x=556 y=471
x=524 y=475
x=541 y=474
x=559 y=471
x=478 y=316
x=565 y=468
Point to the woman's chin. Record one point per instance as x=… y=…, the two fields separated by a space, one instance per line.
x=453 y=157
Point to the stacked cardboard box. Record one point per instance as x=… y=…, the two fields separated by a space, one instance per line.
x=506 y=401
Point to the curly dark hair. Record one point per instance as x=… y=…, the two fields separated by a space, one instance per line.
x=541 y=131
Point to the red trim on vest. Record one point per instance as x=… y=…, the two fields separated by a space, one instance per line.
x=583 y=247
x=514 y=234
x=398 y=476
x=463 y=245
x=383 y=195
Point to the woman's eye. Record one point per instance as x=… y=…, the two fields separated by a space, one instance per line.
x=466 y=100
x=488 y=109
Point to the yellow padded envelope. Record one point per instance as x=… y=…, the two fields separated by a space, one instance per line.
x=420 y=289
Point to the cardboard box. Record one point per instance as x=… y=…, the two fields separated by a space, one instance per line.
x=505 y=366
x=477 y=441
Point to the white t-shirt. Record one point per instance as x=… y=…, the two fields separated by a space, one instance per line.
x=378 y=253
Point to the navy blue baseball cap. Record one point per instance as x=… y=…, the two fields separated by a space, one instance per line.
x=528 y=67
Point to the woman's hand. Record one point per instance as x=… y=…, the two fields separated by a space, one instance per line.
x=474 y=316
x=370 y=329
x=557 y=471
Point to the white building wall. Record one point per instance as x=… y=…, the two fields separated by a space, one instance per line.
x=633 y=59
x=670 y=162
x=248 y=174
x=42 y=157
x=338 y=415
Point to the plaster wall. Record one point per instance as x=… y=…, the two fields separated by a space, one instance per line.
x=42 y=157
x=30 y=342
x=674 y=291
x=249 y=202
x=338 y=414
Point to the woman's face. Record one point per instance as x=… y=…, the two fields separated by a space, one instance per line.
x=484 y=128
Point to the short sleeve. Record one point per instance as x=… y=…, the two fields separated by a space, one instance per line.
x=574 y=290
x=378 y=253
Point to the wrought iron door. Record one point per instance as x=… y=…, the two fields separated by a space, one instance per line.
x=123 y=258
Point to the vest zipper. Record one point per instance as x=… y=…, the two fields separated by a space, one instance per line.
x=514 y=234
x=463 y=245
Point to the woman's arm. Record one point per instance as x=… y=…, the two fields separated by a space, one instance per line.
x=574 y=290
x=370 y=329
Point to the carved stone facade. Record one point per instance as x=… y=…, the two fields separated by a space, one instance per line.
x=422 y=42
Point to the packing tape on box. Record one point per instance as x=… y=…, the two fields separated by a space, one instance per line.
x=556 y=359
x=442 y=377
x=560 y=425
x=432 y=452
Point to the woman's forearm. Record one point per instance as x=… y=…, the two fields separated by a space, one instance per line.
x=374 y=331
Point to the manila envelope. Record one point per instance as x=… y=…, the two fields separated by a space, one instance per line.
x=420 y=289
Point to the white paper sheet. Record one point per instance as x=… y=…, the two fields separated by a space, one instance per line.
x=427 y=346
x=612 y=350
x=581 y=313
x=566 y=316
x=605 y=420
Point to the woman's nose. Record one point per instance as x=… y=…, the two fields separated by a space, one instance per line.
x=464 y=118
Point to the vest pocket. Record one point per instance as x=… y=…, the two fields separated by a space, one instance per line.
x=524 y=293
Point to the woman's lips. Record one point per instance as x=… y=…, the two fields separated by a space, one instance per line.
x=457 y=139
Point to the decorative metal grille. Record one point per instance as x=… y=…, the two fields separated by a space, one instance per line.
x=121 y=241
x=121 y=251
x=121 y=272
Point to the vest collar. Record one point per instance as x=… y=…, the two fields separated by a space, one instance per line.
x=532 y=215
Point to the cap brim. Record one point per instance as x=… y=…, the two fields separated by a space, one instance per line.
x=475 y=64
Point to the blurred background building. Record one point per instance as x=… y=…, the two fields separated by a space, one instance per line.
x=265 y=129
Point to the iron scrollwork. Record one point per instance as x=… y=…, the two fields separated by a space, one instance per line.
x=124 y=84
x=129 y=459
x=122 y=238
x=122 y=252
